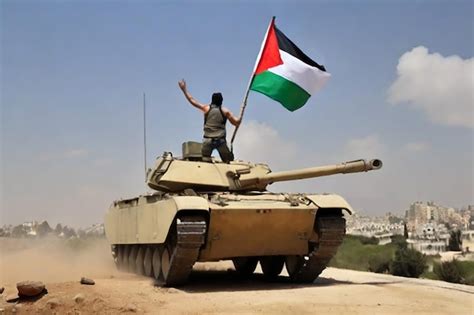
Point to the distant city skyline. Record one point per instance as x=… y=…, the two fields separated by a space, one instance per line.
x=73 y=75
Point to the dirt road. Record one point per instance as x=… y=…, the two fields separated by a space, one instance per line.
x=215 y=289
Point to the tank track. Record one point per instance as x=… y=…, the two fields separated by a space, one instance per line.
x=184 y=241
x=331 y=230
x=190 y=236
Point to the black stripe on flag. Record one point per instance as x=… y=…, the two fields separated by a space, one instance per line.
x=285 y=44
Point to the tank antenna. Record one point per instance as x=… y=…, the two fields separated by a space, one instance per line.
x=144 y=133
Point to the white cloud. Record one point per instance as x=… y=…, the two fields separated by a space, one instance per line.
x=260 y=143
x=367 y=147
x=442 y=87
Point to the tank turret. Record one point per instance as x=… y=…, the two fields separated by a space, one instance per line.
x=172 y=175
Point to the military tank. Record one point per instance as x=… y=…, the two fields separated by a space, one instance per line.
x=209 y=211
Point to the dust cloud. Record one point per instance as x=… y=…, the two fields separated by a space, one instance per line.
x=54 y=260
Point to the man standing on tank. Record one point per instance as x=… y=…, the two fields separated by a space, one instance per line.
x=215 y=118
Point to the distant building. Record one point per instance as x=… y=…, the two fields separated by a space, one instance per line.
x=467 y=235
x=378 y=227
x=432 y=231
x=421 y=213
x=428 y=226
x=428 y=247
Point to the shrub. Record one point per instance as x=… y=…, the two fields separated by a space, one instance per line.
x=352 y=254
x=379 y=263
x=368 y=240
x=449 y=271
x=408 y=263
x=467 y=271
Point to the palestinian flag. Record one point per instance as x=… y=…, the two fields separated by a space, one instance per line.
x=284 y=73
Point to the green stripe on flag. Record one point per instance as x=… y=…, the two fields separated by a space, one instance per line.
x=287 y=93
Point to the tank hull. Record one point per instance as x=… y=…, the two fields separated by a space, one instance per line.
x=272 y=228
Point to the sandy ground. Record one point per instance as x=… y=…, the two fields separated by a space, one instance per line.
x=214 y=288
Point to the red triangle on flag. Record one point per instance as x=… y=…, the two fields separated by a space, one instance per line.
x=270 y=56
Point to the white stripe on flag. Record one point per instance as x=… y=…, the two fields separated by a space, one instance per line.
x=309 y=78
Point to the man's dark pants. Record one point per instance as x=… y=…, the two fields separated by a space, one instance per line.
x=209 y=144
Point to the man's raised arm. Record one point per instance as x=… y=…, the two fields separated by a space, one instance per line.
x=233 y=120
x=190 y=98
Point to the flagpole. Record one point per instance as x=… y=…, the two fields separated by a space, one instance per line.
x=244 y=102
x=242 y=110
x=144 y=134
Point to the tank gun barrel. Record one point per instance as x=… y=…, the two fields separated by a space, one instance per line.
x=356 y=166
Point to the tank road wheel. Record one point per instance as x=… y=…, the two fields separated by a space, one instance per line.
x=156 y=261
x=125 y=254
x=117 y=259
x=165 y=262
x=272 y=266
x=330 y=227
x=115 y=255
x=132 y=257
x=173 y=261
x=181 y=249
x=118 y=249
x=245 y=265
x=293 y=265
x=139 y=268
x=122 y=257
x=148 y=262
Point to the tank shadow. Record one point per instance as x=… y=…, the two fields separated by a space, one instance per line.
x=32 y=299
x=230 y=280
x=322 y=281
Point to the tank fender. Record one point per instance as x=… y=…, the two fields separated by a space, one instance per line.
x=190 y=202
x=149 y=222
x=330 y=201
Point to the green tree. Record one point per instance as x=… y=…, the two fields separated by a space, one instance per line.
x=58 y=229
x=43 y=229
x=408 y=263
x=399 y=241
x=455 y=242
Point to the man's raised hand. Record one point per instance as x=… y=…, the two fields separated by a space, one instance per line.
x=182 y=84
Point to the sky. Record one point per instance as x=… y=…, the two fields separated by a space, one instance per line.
x=73 y=74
